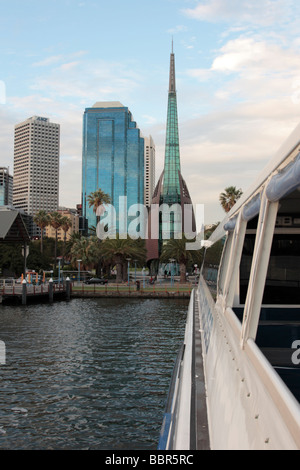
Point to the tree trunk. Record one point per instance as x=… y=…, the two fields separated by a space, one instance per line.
x=125 y=272
x=182 y=273
x=119 y=270
x=55 y=250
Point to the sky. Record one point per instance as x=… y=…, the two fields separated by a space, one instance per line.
x=237 y=77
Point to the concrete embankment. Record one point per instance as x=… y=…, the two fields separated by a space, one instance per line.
x=136 y=295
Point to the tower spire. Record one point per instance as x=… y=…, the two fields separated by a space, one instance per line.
x=172 y=82
x=171 y=186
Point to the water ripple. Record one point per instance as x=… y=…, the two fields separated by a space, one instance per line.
x=88 y=374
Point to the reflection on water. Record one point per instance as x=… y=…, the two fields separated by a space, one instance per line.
x=88 y=374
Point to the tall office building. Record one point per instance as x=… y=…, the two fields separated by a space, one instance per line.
x=36 y=165
x=149 y=170
x=112 y=159
x=6 y=187
x=171 y=189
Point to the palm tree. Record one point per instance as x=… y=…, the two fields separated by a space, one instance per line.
x=176 y=248
x=97 y=199
x=66 y=224
x=88 y=250
x=56 y=222
x=41 y=219
x=229 y=197
x=118 y=250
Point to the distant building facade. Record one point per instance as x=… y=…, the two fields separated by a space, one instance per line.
x=72 y=214
x=6 y=187
x=112 y=158
x=149 y=170
x=36 y=165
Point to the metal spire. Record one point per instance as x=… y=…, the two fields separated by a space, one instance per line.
x=172 y=84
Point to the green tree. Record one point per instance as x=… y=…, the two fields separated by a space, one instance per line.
x=118 y=250
x=11 y=260
x=56 y=222
x=88 y=250
x=37 y=260
x=229 y=197
x=97 y=199
x=66 y=224
x=41 y=219
x=176 y=249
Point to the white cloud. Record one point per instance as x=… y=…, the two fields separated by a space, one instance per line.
x=89 y=81
x=177 y=29
x=48 y=61
x=250 y=70
x=255 y=12
x=250 y=55
x=69 y=66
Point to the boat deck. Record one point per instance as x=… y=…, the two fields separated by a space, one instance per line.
x=186 y=407
x=200 y=434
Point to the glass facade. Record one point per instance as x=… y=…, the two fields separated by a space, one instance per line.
x=6 y=187
x=171 y=185
x=113 y=158
x=171 y=222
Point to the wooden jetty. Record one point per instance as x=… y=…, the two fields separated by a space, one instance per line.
x=28 y=293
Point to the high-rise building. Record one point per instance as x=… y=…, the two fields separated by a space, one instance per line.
x=6 y=187
x=36 y=165
x=149 y=170
x=171 y=189
x=112 y=159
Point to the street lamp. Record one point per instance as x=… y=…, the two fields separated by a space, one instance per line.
x=59 y=260
x=195 y=266
x=135 y=270
x=79 y=260
x=172 y=273
x=128 y=259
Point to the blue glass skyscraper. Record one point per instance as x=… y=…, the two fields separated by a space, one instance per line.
x=112 y=157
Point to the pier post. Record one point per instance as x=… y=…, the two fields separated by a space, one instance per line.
x=24 y=292
x=68 y=288
x=50 y=290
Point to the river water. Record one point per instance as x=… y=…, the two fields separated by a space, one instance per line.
x=87 y=374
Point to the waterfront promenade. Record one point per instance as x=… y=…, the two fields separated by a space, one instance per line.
x=59 y=291
x=159 y=289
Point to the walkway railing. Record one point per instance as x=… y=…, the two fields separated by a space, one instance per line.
x=119 y=289
x=26 y=291
x=16 y=289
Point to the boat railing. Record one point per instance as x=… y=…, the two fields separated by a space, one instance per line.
x=185 y=420
x=176 y=415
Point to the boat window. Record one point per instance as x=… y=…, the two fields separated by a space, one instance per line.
x=283 y=277
x=211 y=266
x=245 y=266
x=246 y=259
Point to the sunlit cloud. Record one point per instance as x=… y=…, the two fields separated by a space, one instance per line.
x=255 y=12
